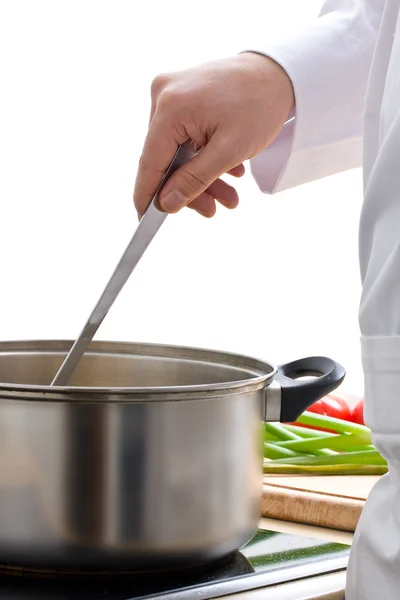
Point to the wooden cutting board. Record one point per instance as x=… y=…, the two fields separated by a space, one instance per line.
x=334 y=501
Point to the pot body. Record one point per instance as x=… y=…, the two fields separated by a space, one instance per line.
x=119 y=479
x=150 y=459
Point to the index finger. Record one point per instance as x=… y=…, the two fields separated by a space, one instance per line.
x=158 y=151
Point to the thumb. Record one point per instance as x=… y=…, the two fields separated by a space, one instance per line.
x=195 y=176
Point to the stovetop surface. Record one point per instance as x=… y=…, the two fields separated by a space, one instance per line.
x=269 y=558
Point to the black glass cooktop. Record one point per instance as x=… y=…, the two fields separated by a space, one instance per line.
x=269 y=558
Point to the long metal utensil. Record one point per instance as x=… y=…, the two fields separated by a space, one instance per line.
x=148 y=226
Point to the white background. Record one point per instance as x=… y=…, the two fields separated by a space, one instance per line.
x=277 y=278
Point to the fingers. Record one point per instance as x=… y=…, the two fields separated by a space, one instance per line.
x=158 y=151
x=224 y=193
x=204 y=205
x=192 y=179
x=196 y=176
x=238 y=171
x=150 y=175
x=219 y=190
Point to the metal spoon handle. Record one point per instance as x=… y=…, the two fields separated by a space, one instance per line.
x=149 y=225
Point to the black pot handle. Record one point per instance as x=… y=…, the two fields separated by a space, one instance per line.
x=298 y=395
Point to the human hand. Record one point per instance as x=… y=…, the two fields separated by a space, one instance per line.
x=230 y=109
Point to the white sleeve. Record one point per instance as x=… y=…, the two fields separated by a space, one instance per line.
x=328 y=63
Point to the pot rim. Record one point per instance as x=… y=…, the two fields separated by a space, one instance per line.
x=261 y=373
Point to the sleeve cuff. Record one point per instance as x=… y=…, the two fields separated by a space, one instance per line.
x=329 y=68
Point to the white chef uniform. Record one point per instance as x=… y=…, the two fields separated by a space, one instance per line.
x=345 y=70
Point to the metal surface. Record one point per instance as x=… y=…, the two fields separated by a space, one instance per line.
x=143 y=236
x=115 y=481
x=273 y=403
x=123 y=371
x=151 y=458
x=328 y=586
x=270 y=582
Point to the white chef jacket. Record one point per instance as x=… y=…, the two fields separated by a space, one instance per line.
x=345 y=70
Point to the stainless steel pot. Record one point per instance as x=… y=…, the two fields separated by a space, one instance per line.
x=150 y=458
